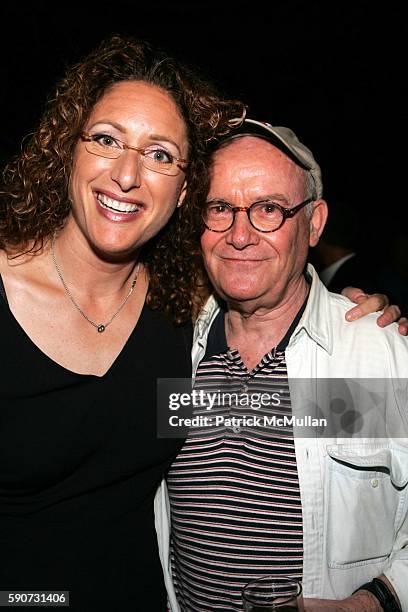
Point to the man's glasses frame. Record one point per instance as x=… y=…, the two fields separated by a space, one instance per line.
x=285 y=212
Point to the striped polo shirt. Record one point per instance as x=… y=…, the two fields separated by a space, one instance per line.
x=235 y=501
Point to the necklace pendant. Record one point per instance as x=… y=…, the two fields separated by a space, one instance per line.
x=101 y=327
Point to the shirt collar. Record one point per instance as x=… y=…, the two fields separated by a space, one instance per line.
x=315 y=320
x=217 y=341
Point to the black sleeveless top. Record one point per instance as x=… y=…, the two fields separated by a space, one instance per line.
x=80 y=462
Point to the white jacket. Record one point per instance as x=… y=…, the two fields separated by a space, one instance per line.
x=354 y=491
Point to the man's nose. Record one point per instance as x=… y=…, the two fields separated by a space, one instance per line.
x=242 y=233
x=127 y=169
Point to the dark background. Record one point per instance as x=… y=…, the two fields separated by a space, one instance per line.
x=333 y=71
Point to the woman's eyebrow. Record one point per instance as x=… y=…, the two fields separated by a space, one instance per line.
x=123 y=130
x=164 y=139
x=114 y=124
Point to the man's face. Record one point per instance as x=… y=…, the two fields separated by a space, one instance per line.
x=254 y=269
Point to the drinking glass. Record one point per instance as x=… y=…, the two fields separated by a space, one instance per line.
x=283 y=594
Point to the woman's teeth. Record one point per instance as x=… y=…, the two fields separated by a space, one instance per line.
x=123 y=207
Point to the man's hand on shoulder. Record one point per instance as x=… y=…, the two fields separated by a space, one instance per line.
x=373 y=303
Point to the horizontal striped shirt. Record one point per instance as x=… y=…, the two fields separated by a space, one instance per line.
x=234 y=491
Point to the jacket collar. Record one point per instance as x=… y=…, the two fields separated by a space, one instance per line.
x=316 y=319
x=206 y=317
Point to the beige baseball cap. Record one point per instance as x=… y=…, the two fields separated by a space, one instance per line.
x=286 y=141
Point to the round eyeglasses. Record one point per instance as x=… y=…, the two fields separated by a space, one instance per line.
x=264 y=216
x=153 y=157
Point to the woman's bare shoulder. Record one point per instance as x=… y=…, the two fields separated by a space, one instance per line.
x=21 y=266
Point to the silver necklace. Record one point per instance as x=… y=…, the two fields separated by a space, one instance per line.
x=99 y=326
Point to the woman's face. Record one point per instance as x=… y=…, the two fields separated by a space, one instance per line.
x=119 y=204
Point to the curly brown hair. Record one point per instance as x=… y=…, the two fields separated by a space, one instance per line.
x=34 y=198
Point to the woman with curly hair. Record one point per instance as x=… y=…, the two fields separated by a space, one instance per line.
x=99 y=262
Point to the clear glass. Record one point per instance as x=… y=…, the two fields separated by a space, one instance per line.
x=153 y=158
x=269 y=593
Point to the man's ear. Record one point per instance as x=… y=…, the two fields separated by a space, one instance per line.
x=182 y=195
x=317 y=221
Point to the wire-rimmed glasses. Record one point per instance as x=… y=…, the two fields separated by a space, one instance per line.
x=263 y=215
x=153 y=157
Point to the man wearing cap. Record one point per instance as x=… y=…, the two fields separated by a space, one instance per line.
x=331 y=513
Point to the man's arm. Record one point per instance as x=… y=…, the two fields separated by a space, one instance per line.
x=374 y=303
x=360 y=601
x=363 y=601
